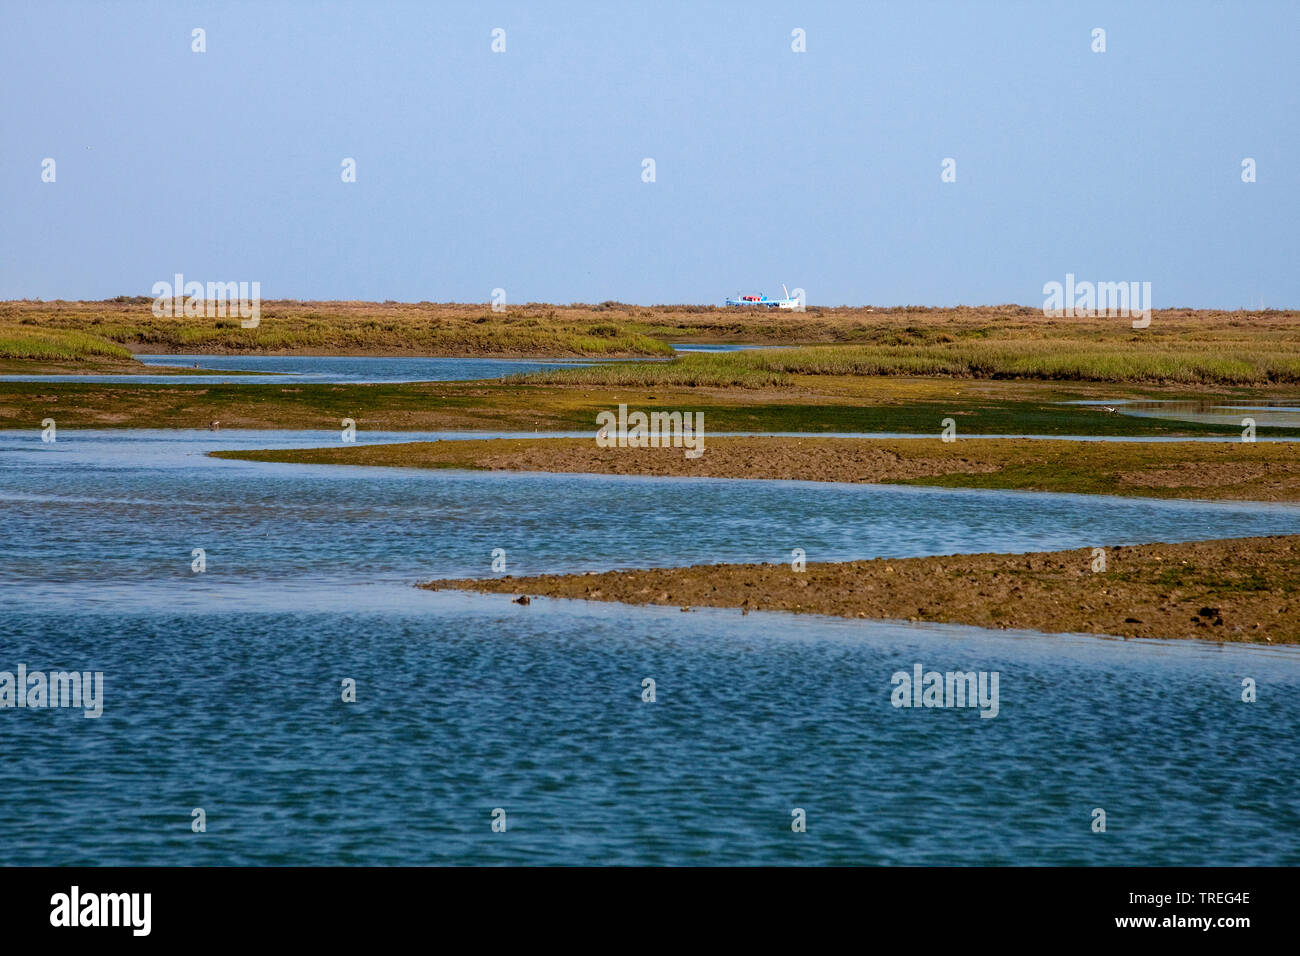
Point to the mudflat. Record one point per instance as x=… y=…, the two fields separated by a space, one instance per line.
x=1242 y=471
x=811 y=403
x=1233 y=590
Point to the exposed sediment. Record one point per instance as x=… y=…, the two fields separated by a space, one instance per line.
x=1233 y=590
x=1239 y=471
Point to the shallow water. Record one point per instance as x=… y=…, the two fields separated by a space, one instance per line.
x=719 y=347
x=319 y=369
x=222 y=688
x=1279 y=415
x=336 y=369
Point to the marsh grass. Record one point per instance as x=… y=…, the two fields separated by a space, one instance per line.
x=1181 y=346
x=62 y=345
x=1151 y=361
x=347 y=328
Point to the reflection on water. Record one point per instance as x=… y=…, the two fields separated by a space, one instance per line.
x=1279 y=415
x=222 y=688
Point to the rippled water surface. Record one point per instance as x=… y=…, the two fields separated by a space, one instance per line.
x=222 y=689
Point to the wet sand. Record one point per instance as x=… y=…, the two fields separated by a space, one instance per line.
x=1233 y=590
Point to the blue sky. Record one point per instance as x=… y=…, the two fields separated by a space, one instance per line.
x=523 y=170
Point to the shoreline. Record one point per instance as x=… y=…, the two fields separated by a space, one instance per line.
x=1210 y=471
x=1181 y=344
x=130 y=367
x=1234 y=590
x=810 y=404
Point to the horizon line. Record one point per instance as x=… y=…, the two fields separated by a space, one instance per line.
x=616 y=303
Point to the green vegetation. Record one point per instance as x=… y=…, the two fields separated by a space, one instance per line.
x=996 y=370
x=908 y=406
x=345 y=328
x=1131 y=362
x=1180 y=346
x=56 y=345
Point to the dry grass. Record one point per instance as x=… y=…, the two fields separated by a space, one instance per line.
x=346 y=328
x=1179 y=346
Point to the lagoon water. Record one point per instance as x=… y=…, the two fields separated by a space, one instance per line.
x=222 y=689
x=314 y=369
x=332 y=369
